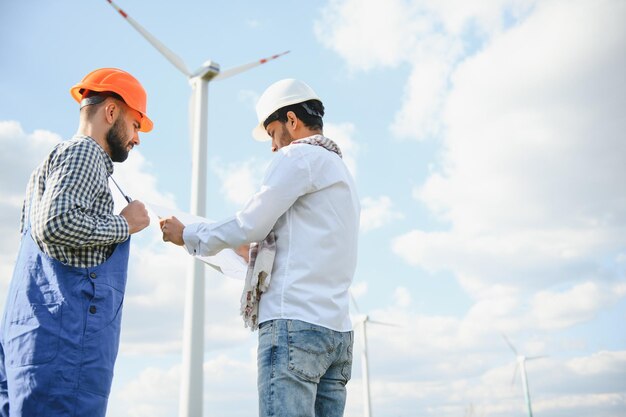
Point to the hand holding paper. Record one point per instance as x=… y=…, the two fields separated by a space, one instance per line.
x=172 y=229
x=228 y=262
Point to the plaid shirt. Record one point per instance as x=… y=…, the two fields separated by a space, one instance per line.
x=70 y=205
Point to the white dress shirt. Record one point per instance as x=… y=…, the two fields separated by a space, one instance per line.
x=309 y=199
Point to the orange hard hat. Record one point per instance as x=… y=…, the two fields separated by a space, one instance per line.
x=119 y=82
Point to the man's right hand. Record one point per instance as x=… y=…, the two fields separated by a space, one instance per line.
x=136 y=215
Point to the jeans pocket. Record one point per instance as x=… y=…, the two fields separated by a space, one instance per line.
x=33 y=334
x=310 y=348
x=265 y=328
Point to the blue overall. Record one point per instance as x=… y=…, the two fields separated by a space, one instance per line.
x=60 y=334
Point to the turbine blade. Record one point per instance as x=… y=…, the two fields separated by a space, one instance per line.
x=356 y=306
x=514 y=373
x=237 y=70
x=164 y=50
x=382 y=323
x=508 y=342
x=531 y=358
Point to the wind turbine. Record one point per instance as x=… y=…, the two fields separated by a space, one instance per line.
x=521 y=363
x=193 y=328
x=361 y=321
x=470 y=411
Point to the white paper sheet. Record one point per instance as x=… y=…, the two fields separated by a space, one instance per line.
x=226 y=261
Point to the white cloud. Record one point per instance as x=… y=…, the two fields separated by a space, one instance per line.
x=342 y=134
x=585 y=404
x=402 y=297
x=239 y=180
x=359 y=289
x=355 y=30
x=532 y=159
x=376 y=213
x=600 y=363
x=552 y=309
x=21 y=153
x=229 y=386
x=465 y=361
x=424 y=97
x=150 y=394
x=431 y=36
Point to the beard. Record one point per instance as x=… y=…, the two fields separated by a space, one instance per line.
x=285 y=137
x=117 y=144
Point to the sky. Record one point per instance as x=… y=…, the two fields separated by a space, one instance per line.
x=487 y=143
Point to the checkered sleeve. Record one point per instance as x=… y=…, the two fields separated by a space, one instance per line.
x=76 y=209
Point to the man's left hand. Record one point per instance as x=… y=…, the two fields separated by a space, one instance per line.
x=172 y=230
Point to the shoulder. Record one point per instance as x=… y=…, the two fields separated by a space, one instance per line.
x=78 y=151
x=306 y=152
x=85 y=145
x=295 y=157
x=315 y=156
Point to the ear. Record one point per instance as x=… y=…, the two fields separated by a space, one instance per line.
x=111 y=110
x=292 y=121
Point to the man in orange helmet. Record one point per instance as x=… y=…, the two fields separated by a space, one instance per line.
x=60 y=332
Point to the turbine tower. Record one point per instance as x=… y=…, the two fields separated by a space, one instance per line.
x=520 y=361
x=360 y=322
x=193 y=328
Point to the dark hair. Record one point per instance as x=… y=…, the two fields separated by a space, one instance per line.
x=92 y=100
x=310 y=112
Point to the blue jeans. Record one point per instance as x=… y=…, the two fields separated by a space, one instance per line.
x=303 y=369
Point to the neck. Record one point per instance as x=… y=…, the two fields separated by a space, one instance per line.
x=98 y=134
x=306 y=132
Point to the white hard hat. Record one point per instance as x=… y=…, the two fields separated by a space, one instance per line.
x=278 y=95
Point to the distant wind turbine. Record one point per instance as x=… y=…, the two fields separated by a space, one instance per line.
x=521 y=363
x=193 y=329
x=360 y=322
x=470 y=411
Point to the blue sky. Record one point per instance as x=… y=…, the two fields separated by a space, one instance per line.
x=486 y=139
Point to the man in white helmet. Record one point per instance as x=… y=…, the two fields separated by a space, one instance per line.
x=302 y=226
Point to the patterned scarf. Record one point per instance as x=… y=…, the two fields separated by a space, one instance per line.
x=262 y=256
x=322 y=141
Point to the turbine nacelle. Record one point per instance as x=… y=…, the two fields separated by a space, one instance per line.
x=207 y=71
